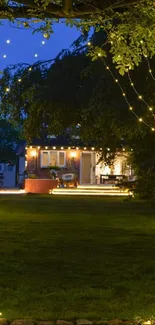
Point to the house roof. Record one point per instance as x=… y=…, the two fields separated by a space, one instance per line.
x=58 y=141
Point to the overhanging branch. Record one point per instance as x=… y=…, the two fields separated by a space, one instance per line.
x=66 y=10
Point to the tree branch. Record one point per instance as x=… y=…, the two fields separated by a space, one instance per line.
x=81 y=11
x=67 y=6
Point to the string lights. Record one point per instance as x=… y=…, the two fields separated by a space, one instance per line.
x=149 y=67
x=19 y=80
x=70 y=148
x=116 y=80
x=138 y=95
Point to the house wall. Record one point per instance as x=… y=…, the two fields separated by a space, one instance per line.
x=7 y=176
x=73 y=164
x=42 y=182
x=33 y=157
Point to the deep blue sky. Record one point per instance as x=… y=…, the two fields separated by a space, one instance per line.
x=23 y=45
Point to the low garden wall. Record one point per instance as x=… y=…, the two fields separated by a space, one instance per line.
x=39 y=185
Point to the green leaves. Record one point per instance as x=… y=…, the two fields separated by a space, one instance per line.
x=96 y=52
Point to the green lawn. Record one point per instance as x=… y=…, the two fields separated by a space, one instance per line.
x=76 y=258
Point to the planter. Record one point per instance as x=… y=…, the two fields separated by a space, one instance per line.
x=40 y=185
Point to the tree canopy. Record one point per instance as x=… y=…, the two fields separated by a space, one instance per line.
x=9 y=138
x=129 y=25
x=59 y=8
x=74 y=90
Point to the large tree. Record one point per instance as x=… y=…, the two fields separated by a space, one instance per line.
x=73 y=90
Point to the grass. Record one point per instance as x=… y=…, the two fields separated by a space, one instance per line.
x=76 y=258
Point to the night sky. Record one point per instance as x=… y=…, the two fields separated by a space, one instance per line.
x=24 y=45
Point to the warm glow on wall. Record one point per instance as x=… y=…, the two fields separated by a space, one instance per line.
x=73 y=154
x=33 y=153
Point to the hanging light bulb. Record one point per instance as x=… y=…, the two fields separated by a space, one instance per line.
x=46 y=35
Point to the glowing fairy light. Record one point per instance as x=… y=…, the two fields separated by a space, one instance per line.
x=46 y=35
x=8 y=41
x=4 y=56
x=43 y=42
x=36 y=55
x=19 y=80
x=7 y=89
x=139 y=96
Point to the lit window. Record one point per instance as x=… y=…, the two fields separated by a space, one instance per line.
x=62 y=159
x=53 y=158
x=45 y=159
